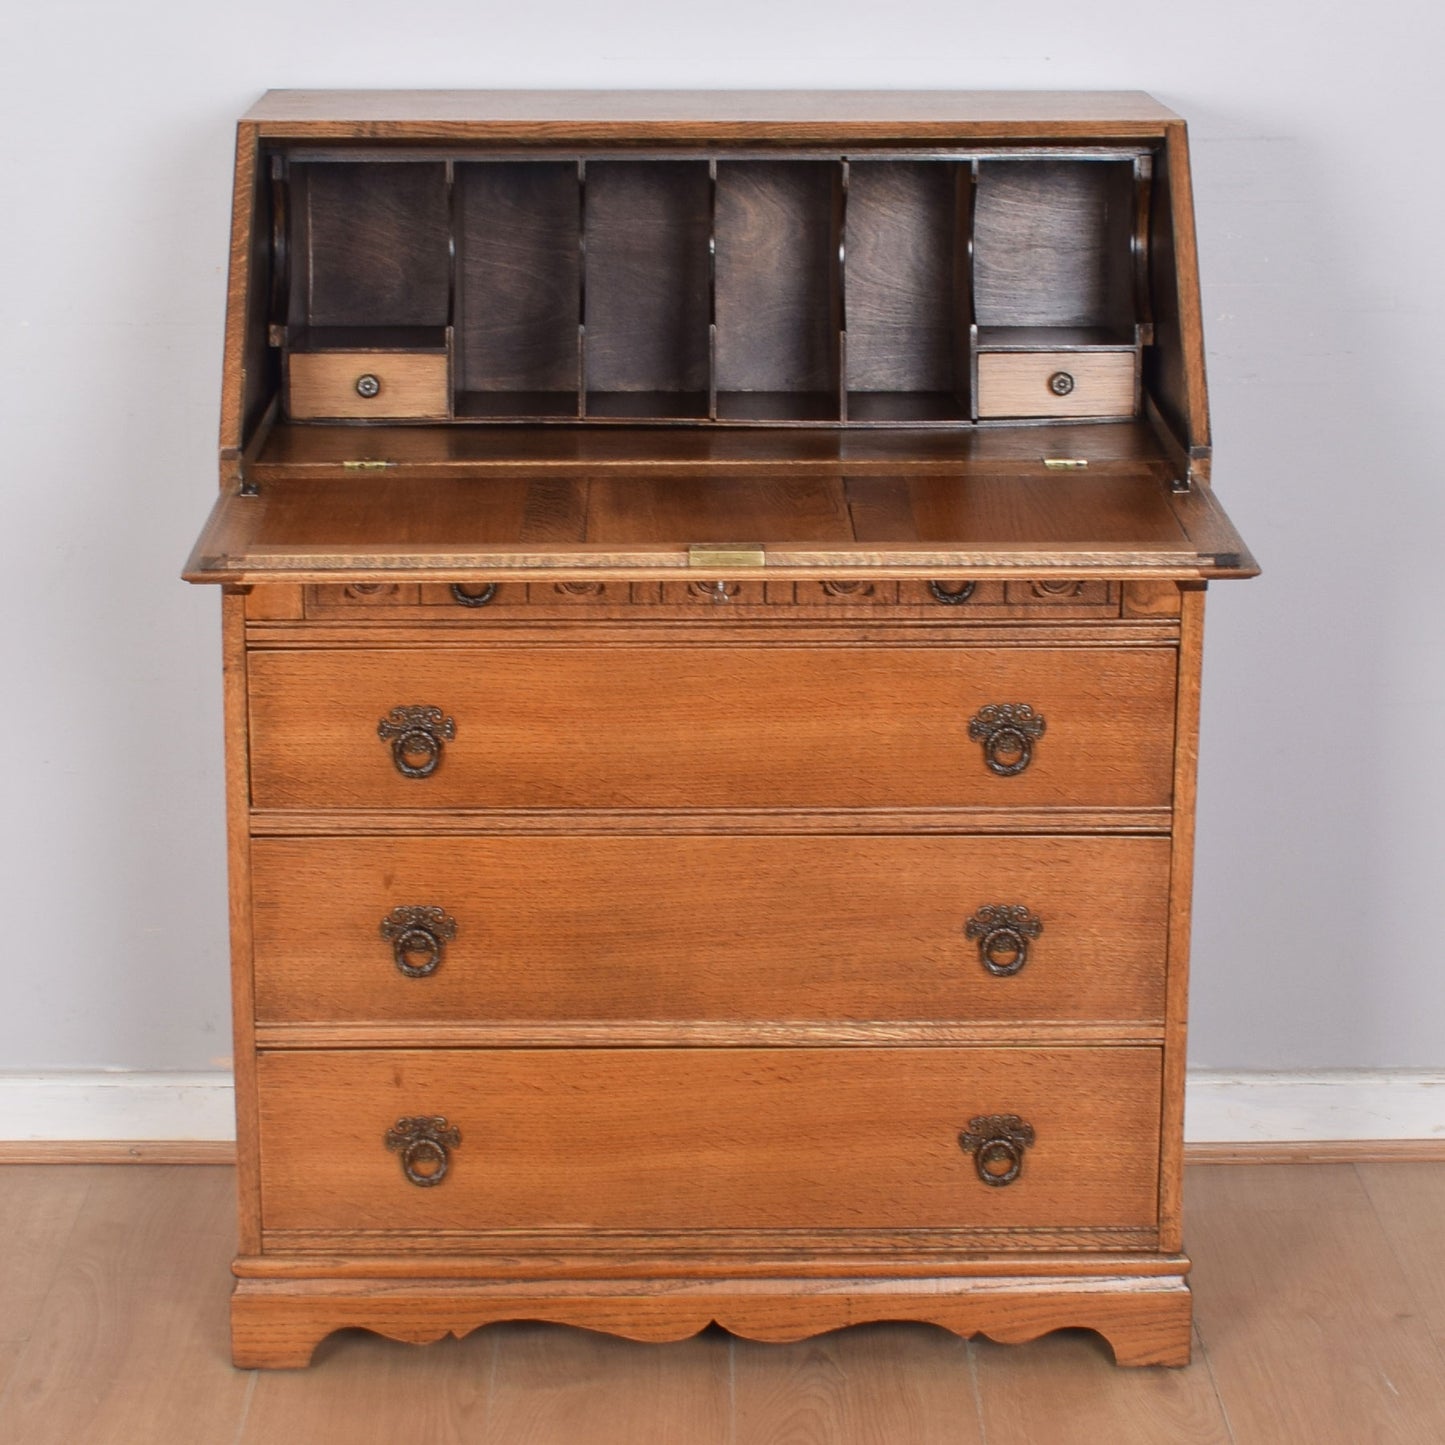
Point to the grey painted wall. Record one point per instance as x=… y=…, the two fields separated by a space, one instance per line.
x=1319 y=906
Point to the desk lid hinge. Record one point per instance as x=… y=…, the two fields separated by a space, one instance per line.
x=715 y=555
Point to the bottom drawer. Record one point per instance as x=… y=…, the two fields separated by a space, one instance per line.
x=708 y=1139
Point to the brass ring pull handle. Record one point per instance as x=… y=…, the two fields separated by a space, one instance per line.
x=479 y=598
x=1061 y=383
x=416 y=735
x=424 y=1144
x=1008 y=732
x=368 y=386
x=997 y=1143
x=1003 y=931
x=418 y=935
x=952 y=595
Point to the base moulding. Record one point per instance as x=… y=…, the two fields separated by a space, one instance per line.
x=277 y=1324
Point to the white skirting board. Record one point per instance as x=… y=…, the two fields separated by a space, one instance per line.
x=1223 y=1108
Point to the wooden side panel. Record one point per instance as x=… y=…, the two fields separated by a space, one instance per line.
x=665 y=727
x=238 y=854
x=711 y=1139
x=711 y=928
x=1181 y=894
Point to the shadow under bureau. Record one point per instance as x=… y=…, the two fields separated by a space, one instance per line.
x=712 y=610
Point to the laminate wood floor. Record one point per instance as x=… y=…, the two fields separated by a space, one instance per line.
x=1320 y=1295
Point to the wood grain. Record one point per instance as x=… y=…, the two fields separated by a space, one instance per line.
x=365 y=1390
x=519 y=273
x=1409 y=1202
x=648 y=267
x=732 y=114
x=1052 y=1393
x=37 y=1216
x=776 y=287
x=900 y=1382
x=373 y=245
x=1051 y=243
x=722 y=727
x=708 y=928
x=555 y=1386
x=903 y=240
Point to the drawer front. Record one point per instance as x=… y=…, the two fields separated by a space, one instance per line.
x=716 y=1139
x=1039 y=599
x=764 y=928
x=366 y=384
x=639 y=727
x=1056 y=383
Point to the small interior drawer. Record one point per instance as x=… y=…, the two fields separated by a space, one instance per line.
x=352 y=384
x=1056 y=383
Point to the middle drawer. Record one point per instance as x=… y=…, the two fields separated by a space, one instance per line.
x=686 y=727
x=710 y=928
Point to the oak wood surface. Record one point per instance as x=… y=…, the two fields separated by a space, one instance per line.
x=709 y=1139
x=709 y=928
x=727 y=114
x=485 y=529
x=721 y=727
x=277 y=1324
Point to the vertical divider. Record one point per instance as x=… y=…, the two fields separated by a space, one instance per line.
x=1143 y=200
x=840 y=299
x=967 y=319
x=453 y=364
x=581 y=288
x=840 y=289
x=712 y=288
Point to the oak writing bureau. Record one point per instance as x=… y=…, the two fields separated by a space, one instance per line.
x=712 y=595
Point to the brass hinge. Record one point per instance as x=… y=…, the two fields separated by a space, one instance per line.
x=1065 y=464
x=366 y=466
x=717 y=555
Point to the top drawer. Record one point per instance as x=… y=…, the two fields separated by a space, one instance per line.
x=640 y=727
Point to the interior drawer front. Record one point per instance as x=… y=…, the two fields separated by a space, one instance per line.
x=1056 y=383
x=639 y=727
x=719 y=928
x=716 y=1139
x=347 y=384
x=884 y=600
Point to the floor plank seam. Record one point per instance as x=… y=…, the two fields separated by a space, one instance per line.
x=732 y=1390
x=245 y=1408
x=495 y=1335
x=1214 y=1383
x=971 y=1352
